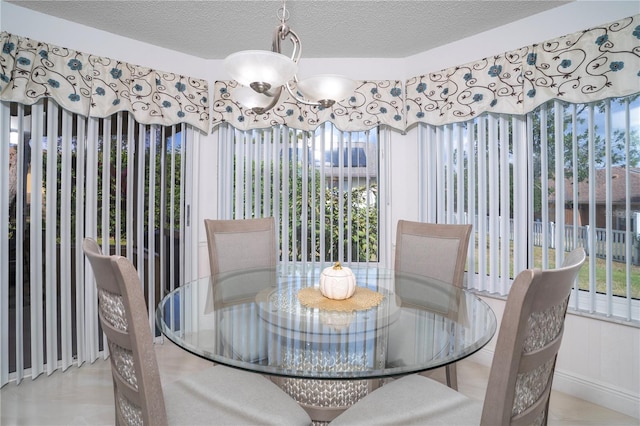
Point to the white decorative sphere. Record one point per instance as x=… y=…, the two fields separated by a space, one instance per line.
x=337 y=282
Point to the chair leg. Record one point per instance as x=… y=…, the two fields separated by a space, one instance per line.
x=452 y=376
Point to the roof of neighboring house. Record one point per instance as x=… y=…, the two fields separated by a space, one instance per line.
x=618 y=187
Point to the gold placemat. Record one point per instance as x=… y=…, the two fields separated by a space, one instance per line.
x=362 y=299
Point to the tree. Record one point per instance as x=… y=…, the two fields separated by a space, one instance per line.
x=618 y=137
x=363 y=206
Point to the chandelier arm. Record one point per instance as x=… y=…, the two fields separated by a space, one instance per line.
x=278 y=34
x=281 y=33
x=297 y=47
x=299 y=99
x=275 y=97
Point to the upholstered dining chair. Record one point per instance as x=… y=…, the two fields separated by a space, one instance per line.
x=437 y=251
x=521 y=373
x=234 y=245
x=241 y=244
x=219 y=394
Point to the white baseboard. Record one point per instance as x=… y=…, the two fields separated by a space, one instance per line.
x=585 y=388
x=604 y=395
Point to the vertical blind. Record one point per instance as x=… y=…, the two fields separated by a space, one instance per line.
x=322 y=187
x=64 y=177
x=536 y=187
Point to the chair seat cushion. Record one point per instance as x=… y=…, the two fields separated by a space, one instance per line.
x=226 y=396
x=412 y=400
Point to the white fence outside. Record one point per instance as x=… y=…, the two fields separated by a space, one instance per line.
x=578 y=236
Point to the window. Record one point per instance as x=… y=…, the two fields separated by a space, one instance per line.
x=536 y=187
x=588 y=159
x=354 y=157
x=112 y=179
x=325 y=204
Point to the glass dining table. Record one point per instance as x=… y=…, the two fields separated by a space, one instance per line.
x=326 y=359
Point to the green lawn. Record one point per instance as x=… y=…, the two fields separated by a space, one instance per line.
x=618 y=274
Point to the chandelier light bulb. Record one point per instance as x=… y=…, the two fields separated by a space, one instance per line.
x=260 y=69
x=249 y=98
x=327 y=88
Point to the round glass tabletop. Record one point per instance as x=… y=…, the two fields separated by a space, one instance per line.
x=254 y=320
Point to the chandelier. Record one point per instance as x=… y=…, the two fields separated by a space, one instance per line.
x=265 y=74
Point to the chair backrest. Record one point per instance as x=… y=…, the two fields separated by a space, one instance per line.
x=434 y=250
x=241 y=244
x=528 y=342
x=123 y=317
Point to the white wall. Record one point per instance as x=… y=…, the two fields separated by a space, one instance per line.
x=599 y=361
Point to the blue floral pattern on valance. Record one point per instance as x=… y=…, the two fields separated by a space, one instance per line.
x=586 y=66
x=96 y=86
x=372 y=104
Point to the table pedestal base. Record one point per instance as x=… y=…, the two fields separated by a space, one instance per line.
x=326 y=399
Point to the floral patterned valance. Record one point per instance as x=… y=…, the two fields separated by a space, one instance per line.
x=586 y=66
x=95 y=86
x=374 y=103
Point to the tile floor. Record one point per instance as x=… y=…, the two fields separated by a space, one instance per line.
x=84 y=396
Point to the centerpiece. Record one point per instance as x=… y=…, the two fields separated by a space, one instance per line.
x=337 y=282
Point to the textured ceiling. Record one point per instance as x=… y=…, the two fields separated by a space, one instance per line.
x=328 y=28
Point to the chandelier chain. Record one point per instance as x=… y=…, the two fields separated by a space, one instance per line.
x=283 y=14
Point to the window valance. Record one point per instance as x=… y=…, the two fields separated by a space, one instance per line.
x=96 y=86
x=374 y=103
x=585 y=66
